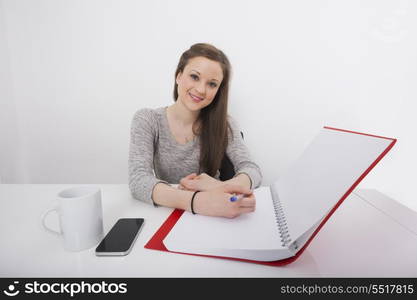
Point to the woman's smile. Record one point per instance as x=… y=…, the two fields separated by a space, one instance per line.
x=196 y=98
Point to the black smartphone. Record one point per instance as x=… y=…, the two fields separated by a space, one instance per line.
x=121 y=237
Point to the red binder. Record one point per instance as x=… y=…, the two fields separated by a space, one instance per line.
x=156 y=242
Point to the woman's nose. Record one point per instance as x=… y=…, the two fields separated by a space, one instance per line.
x=201 y=88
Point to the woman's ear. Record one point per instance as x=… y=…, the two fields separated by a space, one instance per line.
x=178 y=77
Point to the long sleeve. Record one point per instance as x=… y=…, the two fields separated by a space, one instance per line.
x=141 y=153
x=239 y=155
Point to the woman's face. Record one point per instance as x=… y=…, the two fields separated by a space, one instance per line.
x=199 y=82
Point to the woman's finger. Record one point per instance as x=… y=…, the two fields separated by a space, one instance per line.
x=185 y=181
x=189 y=183
x=245 y=210
x=190 y=176
x=247 y=202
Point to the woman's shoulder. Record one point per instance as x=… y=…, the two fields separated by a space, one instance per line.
x=233 y=123
x=149 y=115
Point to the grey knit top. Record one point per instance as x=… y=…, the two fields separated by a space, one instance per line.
x=155 y=155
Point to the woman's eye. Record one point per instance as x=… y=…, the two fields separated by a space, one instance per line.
x=193 y=76
x=213 y=85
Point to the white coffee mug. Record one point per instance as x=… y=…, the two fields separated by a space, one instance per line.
x=80 y=217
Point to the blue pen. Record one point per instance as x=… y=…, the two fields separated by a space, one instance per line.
x=234 y=198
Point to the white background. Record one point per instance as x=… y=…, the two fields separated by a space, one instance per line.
x=73 y=73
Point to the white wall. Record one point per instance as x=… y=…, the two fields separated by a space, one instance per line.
x=11 y=164
x=74 y=72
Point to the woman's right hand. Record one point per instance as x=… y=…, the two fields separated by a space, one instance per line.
x=216 y=202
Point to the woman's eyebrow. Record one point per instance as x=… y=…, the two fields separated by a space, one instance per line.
x=200 y=74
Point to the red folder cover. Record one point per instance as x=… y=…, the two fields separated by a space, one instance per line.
x=156 y=242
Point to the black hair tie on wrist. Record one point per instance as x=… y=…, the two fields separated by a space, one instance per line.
x=192 y=202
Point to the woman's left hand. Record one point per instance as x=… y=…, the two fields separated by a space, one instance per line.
x=202 y=182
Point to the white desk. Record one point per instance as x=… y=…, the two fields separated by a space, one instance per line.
x=369 y=235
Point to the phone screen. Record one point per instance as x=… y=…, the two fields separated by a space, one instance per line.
x=120 y=239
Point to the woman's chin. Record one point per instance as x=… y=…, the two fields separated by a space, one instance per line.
x=194 y=106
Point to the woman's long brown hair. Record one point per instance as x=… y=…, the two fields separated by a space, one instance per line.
x=213 y=122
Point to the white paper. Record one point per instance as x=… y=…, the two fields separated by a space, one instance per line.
x=237 y=237
x=325 y=171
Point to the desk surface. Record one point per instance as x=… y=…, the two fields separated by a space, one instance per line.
x=369 y=235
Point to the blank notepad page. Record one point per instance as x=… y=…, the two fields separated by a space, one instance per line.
x=256 y=230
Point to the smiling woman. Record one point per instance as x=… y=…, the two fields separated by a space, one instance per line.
x=204 y=79
x=185 y=143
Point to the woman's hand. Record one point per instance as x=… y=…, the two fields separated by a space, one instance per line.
x=216 y=202
x=202 y=182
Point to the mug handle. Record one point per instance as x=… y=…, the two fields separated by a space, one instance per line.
x=43 y=217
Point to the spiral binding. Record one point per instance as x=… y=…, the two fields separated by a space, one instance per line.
x=280 y=219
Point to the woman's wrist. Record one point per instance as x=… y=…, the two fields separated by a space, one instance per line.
x=198 y=203
x=192 y=202
x=220 y=184
x=241 y=179
x=169 y=196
